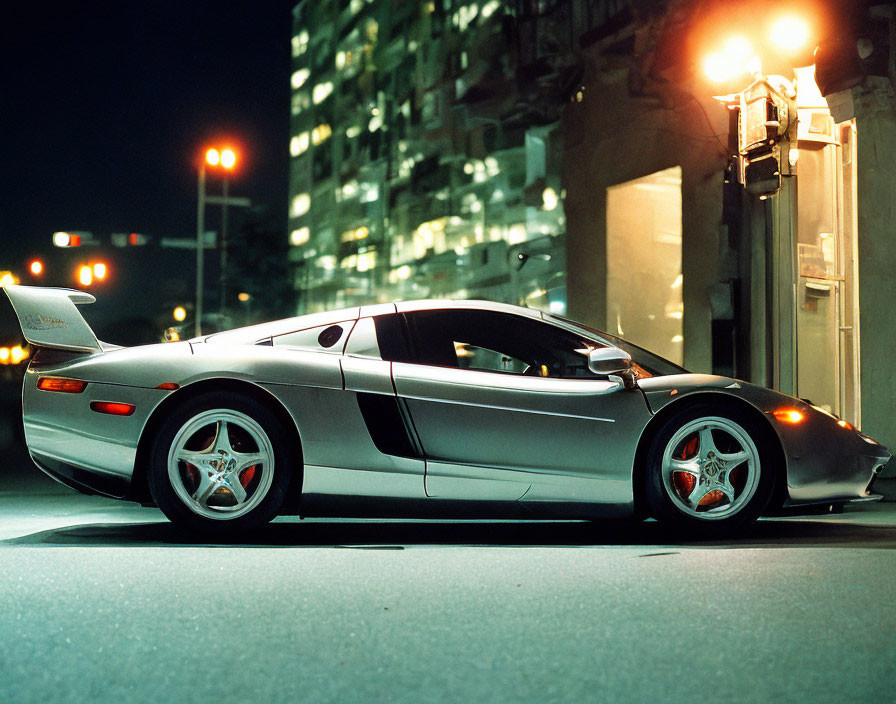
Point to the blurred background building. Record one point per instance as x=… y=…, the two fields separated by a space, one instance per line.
x=424 y=163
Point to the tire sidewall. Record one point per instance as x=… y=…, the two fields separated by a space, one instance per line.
x=165 y=495
x=661 y=504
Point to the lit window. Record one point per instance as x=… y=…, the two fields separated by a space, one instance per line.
x=320 y=134
x=369 y=192
x=322 y=92
x=299 y=77
x=300 y=236
x=300 y=101
x=366 y=261
x=516 y=234
x=301 y=204
x=489 y=8
x=298 y=144
x=300 y=43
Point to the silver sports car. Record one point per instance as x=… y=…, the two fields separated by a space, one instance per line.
x=423 y=408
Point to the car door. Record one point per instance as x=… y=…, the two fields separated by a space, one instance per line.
x=505 y=406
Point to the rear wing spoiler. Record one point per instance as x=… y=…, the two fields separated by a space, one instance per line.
x=49 y=317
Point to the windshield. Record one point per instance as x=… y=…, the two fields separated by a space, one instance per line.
x=650 y=362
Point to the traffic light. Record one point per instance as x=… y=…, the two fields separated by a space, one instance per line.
x=73 y=239
x=129 y=239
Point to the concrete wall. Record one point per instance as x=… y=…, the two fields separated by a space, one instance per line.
x=612 y=137
x=875 y=109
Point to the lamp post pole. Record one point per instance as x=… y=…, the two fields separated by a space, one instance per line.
x=200 y=251
x=223 y=244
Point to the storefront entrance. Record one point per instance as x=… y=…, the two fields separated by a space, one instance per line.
x=826 y=305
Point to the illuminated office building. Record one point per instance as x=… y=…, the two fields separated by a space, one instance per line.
x=418 y=168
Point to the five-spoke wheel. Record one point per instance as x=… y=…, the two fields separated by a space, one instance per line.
x=221 y=462
x=709 y=468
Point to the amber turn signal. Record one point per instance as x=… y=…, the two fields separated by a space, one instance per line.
x=789 y=415
x=112 y=408
x=65 y=386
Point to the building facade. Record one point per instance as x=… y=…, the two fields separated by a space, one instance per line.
x=418 y=170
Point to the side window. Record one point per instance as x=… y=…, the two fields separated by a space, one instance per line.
x=496 y=342
x=363 y=340
x=484 y=359
x=330 y=338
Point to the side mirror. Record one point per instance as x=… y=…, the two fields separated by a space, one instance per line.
x=613 y=363
x=609 y=360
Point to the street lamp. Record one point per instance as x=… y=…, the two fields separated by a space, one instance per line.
x=225 y=159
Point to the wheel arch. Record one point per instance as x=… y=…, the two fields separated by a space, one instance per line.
x=139 y=490
x=720 y=400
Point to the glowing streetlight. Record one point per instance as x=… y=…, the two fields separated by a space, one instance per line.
x=217 y=158
x=85 y=275
x=790 y=33
x=7 y=278
x=735 y=59
x=180 y=314
x=99 y=271
x=36 y=267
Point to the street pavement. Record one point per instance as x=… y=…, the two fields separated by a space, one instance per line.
x=105 y=601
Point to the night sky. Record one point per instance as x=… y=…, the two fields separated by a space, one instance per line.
x=106 y=105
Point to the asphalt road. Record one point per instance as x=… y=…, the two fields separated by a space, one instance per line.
x=103 y=601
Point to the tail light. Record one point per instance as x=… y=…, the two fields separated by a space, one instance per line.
x=60 y=384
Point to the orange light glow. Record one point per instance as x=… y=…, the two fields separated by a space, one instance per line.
x=36 y=267
x=85 y=275
x=56 y=383
x=845 y=424
x=213 y=157
x=228 y=158
x=790 y=33
x=99 y=271
x=789 y=415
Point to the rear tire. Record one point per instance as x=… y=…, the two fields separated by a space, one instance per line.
x=221 y=464
x=710 y=471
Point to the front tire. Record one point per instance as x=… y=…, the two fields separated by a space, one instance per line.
x=221 y=464
x=710 y=470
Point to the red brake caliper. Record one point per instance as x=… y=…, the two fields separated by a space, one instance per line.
x=684 y=481
x=247 y=476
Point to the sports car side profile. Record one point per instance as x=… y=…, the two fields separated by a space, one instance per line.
x=422 y=408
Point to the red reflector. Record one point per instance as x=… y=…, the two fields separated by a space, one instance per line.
x=114 y=409
x=66 y=386
x=168 y=386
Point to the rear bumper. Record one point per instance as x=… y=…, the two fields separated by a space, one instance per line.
x=87 y=481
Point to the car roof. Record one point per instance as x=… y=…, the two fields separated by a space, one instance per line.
x=254 y=333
